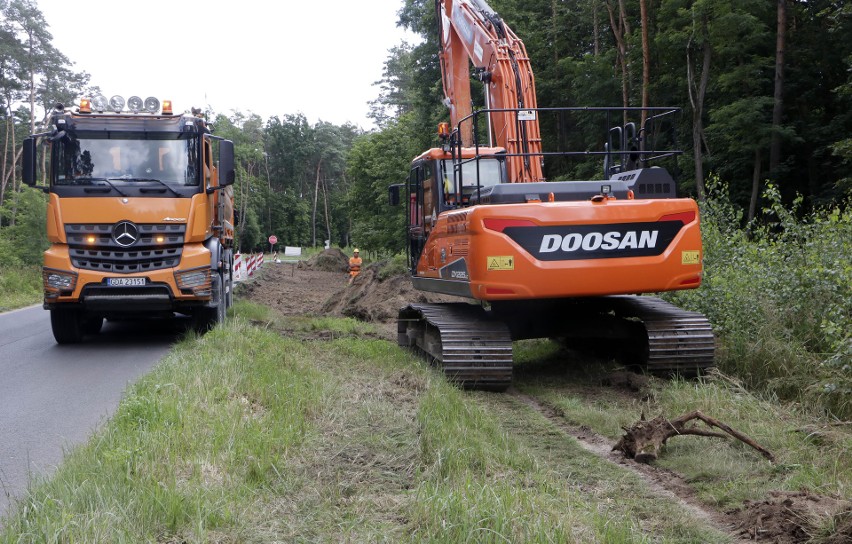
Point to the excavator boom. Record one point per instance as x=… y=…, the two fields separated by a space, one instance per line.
x=471 y=32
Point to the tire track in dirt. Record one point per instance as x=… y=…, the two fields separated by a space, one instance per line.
x=660 y=482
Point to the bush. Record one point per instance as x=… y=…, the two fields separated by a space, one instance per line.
x=779 y=295
x=19 y=286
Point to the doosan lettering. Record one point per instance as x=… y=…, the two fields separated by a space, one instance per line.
x=596 y=240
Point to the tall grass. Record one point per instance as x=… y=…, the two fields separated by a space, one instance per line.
x=19 y=286
x=188 y=449
x=779 y=295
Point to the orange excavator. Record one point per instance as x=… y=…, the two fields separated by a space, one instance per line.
x=542 y=259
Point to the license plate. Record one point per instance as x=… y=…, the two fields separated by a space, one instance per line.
x=125 y=282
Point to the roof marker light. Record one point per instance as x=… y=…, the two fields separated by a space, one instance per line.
x=85 y=105
x=167 y=107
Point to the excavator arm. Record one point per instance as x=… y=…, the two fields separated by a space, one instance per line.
x=470 y=32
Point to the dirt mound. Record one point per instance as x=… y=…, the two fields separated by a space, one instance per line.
x=377 y=295
x=330 y=260
x=794 y=517
x=320 y=286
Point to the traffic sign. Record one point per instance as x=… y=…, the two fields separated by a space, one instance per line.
x=273 y=239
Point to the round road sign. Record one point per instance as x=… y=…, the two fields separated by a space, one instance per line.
x=273 y=239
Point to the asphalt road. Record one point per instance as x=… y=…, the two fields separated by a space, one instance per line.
x=52 y=397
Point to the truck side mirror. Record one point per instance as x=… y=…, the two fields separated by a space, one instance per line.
x=227 y=174
x=29 y=161
x=393 y=194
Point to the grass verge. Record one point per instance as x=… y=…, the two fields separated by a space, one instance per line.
x=265 y=430
x=812 y=454
x=19 y=287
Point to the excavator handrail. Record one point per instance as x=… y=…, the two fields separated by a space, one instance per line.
x=632 y=147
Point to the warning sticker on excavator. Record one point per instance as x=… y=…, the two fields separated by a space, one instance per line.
x=501 y=263
x=690 y=257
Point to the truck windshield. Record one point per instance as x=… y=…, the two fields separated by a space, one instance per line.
x=168 y=158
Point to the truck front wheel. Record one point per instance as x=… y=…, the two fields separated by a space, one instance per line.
x=67 y=325
x=208 y=317
x=93 y=324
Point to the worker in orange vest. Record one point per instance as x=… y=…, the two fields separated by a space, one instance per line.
x=354 y=265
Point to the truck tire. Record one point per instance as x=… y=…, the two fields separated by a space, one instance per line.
x=93 y=324
x=221 y=297
x=208 y=317
x=229 y=285
x=67 y=325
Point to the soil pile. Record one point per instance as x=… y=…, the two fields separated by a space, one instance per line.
x=376 y=295
x=320 y=286
x=791 y=517
x=330 y=260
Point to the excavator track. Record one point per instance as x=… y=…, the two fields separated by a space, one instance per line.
x=678 y=341
x=470 y=347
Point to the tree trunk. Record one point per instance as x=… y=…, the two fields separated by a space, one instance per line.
x=755 y=186
x=15 y=188
x=5 y=179
x=325 y=205
x=596 y=32
x=554 y=31
x=696 y=99
x=32 y=83
x=778 y=100
x=619 y=32
x=646 y=59
x=314 y=213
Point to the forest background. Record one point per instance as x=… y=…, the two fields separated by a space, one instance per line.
x=765 y=89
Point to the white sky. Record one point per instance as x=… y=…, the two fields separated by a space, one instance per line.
x=269 y=57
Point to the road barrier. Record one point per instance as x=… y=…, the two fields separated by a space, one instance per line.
x=246 y=265
x=239 y=268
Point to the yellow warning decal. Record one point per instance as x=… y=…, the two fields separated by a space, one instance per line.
x=690 y=257
x=501 y=263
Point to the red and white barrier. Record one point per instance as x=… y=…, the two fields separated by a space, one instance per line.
x=246 y=265
x=255 y=263
x=239 y=268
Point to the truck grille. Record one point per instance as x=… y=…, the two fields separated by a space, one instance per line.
x=92 y=247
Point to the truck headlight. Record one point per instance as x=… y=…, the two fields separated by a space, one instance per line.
x=195 y=281
x=57 y=282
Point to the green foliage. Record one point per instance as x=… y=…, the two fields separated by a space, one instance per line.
x=19 y=285
x=779 y=294
x=23 y=240
x=376 y=161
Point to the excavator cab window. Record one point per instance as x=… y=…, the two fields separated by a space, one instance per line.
x=474 y=174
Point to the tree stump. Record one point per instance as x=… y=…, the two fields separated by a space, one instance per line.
x=644 y=440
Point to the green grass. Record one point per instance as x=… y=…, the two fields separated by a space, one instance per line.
x=314 y=430
x=812 y=454
x=188 y=449
x=19 y=287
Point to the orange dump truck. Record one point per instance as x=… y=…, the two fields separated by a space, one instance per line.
x=140 y=215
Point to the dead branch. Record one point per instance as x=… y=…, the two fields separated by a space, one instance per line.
x=644 y=440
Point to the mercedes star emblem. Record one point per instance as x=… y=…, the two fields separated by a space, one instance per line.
x=125 y=233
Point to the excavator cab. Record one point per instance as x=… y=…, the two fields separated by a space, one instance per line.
x=437 y=183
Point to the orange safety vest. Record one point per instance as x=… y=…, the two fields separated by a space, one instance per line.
x=354 y=266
